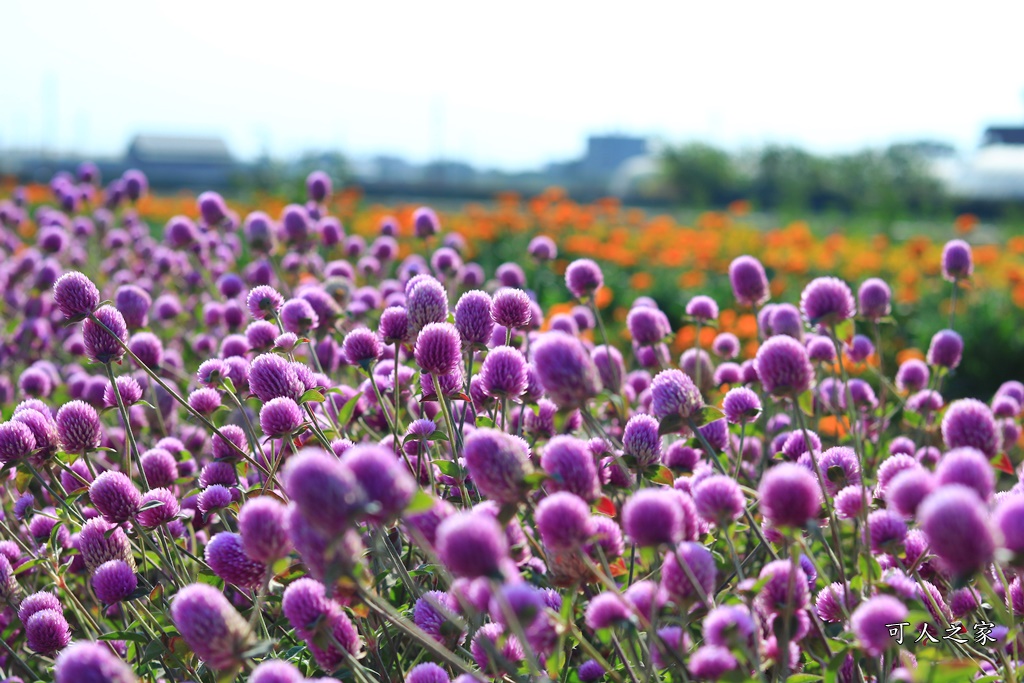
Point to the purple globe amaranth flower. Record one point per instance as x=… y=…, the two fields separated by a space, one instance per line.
x=510 y=308
x=504 y=373
x=75 y=295
x=610 y=367
x=115 y=496
x=425 y=222
x=127 y=387
x=180 y=232
x=47 y=632
x=1008 y=518
x=728 y=373
x=702 y=308
x=438 y=349
x=298 y=317
x=719 y=499
x=654 y=516
x=827 y=301
x=324 y=490
x=271 y=376
x=673 y=393
x=213 y=498
x=969 y=467
x=606 y=610
x=215 y=631
x=228 y=560
x=427 y=672
x=908 y=489
x=711 y=662
x=100 y=345
x=784 y=319
x=362 y=347
x=511 y=651
x=956 y=525
x=152 y=517
x=114 y=581
x=730 y=626
x=542 y=248
x=784 y=367
x=434 y=612
x=16 y=441
x=912 y=375
x=583 y=277
x=318 y=186
x=969 y=422
x=647 y=325
x=870 y=622
x=676 y=581
x=276 y=671
x=264 y=302
x=263 y=526
x=859 y=349
x=741 y=406
x=945 y=350
x=134 y=303
x=519 y=601
x=473 y=318
x=565 y=370
x=88 y=662
x=280 y=417
x=37 y=602
x=957 y=263
x=569 y=463
x=383 y=478
x=204 y=401
x=886 y=530
x=784 y=585
x=563 y=520
x=789 y=495
x=850 y=501
x=590 y=671
x=726 y=345
x=100 y=541
x=749 y=281
x=874 y=299
x=471 y=544
x=641 y=441
x=426 y=302
x=498 y=464
x=148 y=348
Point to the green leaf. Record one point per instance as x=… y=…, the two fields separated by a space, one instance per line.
x=259 y=649
x=845 y=330
x=151 y=504
x=671 y=424
x=484 y=422
x=438 y=435
x=22 y=568
x=709 y=414
x=133 y=636
x=806 y=402
x=448 y=468
x=803 y=678
x=421 y=502
x=345 y=414
x=312 y=395
x=229 y=385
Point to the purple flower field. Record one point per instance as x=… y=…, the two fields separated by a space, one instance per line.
x=226 y=458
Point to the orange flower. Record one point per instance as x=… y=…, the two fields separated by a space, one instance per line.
x=641 y=280
x=965 y=223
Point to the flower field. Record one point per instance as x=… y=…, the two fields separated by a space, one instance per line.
x=534 y=440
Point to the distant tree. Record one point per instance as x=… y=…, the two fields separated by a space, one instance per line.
x=698 y=174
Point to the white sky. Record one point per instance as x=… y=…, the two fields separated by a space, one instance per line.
x=511 y=84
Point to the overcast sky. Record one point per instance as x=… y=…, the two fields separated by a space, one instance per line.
x=505 y=84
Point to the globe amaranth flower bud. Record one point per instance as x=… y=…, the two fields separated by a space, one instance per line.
x=99 y=335
x=226 y=558
x=113 y=581
x=215 y=631
x=280 y=417
x=565 y=370
x=789 y=495
x=874 y=299
x=583 y=277
x=510 y=308
x=323 y=489
x=75 y=295
x=957 y=263
x=438 y=349
x=749 y=281
x=498 y=464
x=673 y=393
x=471 y=544
x=115 y=496
x=362 y=347
x=827 y=301
x=263 y=525
x=88 y=662
x=784 y=367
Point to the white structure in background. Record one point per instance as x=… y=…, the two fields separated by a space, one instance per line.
x=994 y=171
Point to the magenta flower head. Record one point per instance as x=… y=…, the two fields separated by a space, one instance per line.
x=473 y=318
x=100 y=345
x=1008 y=518
x=323 y=489
x=472 y=544
x=570 y=464
x=730 y=626
x=563 y=520
x=228 y=560
x=673 y=393
x=789 y=495
x=726 y=345
x=945 y=349
x=215 y=631
x=47 y=632
x=511 y=651
x=702 y=308
x=280 y=417
x=114 y=581
x=271 y=376
x=438 y=349
x=957 y=263
x=719 y=499
x=647 y=325
x=676 y=581
x=565 y=370
x=152 y=517
x=871 y=623
x=511 y=308
x=16 y=441
x=956 y=525
x=969 y=422
x=711 y=662
x=874 y=299
x=498 y=464
x=75 y=295
x=129 y=389
x=134 y=303
x=426 y=302
x=504 y=373
x=88 y=662
x=827 y=301
x=912 y=375
x=784 y=367
x=741 y=406
x=606 y=610
x=433 y=613
x=276 y=671
x=100 y=541
x=263 y=526
x=180 y=232
x=298 y=317
x=427 y=672
x=318 y=186
x=148 y=348
x=641 y=440
x=386 y=482
x=394 y=325
x=749 y=281
x=908 y=489
x=425 y=222
x=610 y=367
x=542 y=248
x=654 y=516
x=887 y=531
x=362 y=347
x=204 y=401
x=969 y=467
x=859 y=349
x=264 y=302
x=583 y=277
x=115 y=496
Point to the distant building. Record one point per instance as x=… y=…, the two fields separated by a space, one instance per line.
x=172 y=162
x=606 y=153
x=1002 y=135
x=995 y=171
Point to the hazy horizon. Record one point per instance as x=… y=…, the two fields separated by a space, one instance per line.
x=509 y=89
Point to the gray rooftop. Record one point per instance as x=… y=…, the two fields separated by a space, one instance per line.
x=165 y=148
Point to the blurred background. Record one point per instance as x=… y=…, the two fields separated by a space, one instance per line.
x=888 y=111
